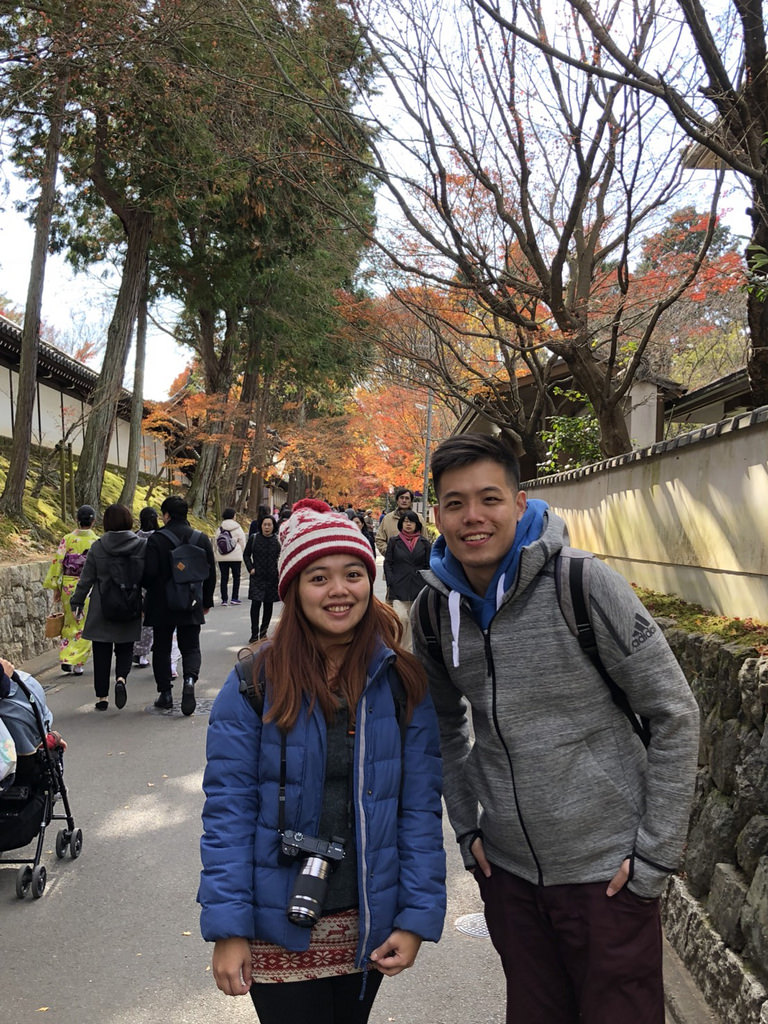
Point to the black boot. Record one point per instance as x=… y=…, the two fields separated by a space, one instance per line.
x=188 y=702
x=164 y=700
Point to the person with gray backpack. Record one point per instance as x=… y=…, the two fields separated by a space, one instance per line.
x=570 y=792
x=228 y=548
x=112 y=576
x=180 y=578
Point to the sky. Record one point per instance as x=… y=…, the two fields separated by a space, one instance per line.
x=77 y=303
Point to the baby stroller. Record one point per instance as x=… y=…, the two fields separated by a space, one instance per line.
x=27 y=807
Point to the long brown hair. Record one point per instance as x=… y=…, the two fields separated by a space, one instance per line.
x=294 y=663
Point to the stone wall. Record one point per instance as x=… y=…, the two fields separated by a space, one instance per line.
x=23 y=608
x=716 y=916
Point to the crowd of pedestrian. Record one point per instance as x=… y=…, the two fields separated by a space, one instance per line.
x=124 y=596
x=568 y=748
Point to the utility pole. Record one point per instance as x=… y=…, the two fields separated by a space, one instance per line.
x=425 y=492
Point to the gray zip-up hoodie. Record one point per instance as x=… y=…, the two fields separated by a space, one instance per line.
x=556 y=780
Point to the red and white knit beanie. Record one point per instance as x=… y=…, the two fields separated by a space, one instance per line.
x=315 y=530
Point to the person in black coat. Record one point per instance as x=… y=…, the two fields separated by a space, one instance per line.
x=260 y=557
x=360 y=523
x=164 y=619
x=406 y=555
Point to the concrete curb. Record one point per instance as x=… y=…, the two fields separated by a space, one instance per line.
x=683 y=999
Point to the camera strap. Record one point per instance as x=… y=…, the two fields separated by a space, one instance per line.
x=350 y=771
x=283 y=775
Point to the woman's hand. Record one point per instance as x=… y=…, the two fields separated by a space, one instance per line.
x=57 y=594
x=396 y=953
x=232 y=966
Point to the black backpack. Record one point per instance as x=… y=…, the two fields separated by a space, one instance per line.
x=120 y=591
x=571 y=577
x=189 y=570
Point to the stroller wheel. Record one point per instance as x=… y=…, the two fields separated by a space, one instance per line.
x=39 y=877
x=62 y=842
x=76 y=843
x=23 y=881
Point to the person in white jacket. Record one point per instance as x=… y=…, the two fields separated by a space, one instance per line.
x=228 y=548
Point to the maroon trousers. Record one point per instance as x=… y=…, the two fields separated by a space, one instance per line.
x=572 y=955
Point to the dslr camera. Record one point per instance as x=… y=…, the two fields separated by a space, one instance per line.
x=321 y=856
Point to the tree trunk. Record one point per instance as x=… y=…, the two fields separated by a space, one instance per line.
x=12 y=500
x=128 y=492
x=254 y=494
x=101 y=421
x=205 y=474
x=757 y=311
x=218 y=378
x=589 y=377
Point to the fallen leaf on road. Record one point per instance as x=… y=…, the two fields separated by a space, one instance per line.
x=150 y=783
x=42 y=1009
x=186 y=933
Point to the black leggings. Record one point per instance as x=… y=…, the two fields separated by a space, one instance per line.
x=225 y=568
x=259 y=632
x=102 y=663
x=323 y=1001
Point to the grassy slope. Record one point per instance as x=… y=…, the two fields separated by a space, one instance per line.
x=38 y=536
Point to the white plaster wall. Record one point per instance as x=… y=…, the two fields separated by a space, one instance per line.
x=692 y=520
x=56 y=411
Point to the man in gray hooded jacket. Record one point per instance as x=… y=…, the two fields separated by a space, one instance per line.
x=569 y=823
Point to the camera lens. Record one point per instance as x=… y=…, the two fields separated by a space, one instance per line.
x=305 y=906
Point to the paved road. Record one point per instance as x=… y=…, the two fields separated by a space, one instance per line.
x=115 y=939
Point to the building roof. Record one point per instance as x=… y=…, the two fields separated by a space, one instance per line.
x=55 y=367
x=726 y=396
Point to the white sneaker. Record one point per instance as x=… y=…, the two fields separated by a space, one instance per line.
x=143 y=662
x=78 y=670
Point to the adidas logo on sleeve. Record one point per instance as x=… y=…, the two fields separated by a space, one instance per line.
x=643 y=630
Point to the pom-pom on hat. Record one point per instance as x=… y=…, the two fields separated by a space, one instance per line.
x=313 y=531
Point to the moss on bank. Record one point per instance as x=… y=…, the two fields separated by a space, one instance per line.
x=43 y=526
x=692 y=618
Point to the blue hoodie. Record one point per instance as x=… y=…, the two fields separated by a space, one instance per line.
x=449 y=569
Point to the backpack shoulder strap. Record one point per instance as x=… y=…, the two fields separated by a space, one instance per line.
x=429 y=620
x=194 y=537
x=171 y=537
x=401 y=704
x=253 y=691
x=572 y=584
x=401 y=714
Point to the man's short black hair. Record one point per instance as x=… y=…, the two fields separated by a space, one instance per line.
x=175 y=507
x=465 y=449
x=400 y=491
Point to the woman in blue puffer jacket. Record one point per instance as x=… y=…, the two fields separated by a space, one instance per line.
x=338 y=769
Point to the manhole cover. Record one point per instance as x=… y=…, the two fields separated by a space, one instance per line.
x=204 y=706
x=472 y=924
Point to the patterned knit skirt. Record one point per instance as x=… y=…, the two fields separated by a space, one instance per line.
x=332 y=949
